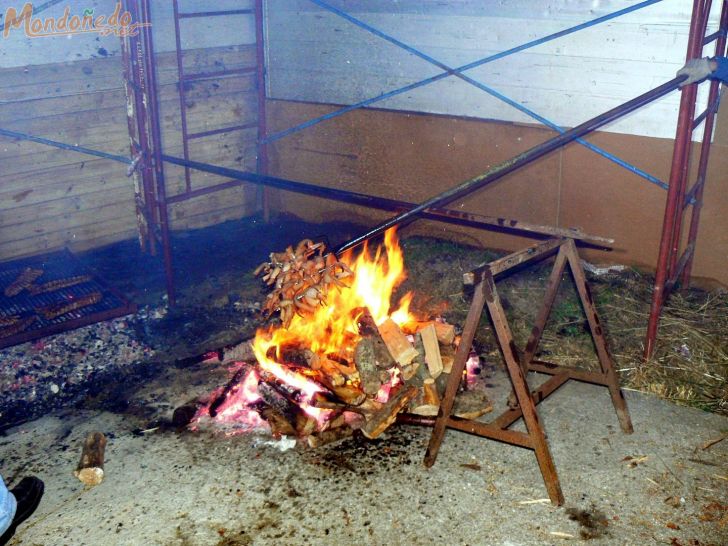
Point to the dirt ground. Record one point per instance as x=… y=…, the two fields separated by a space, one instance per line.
x=166 y=486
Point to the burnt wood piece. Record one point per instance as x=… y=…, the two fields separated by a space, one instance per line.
x=50 y=312
x=50 y=286
x=329 y=436
x=279 y=423
x=90 y=470
x=380 y=421
x=368 y=329
x=366 y=364
x=18 y=326
x=183 y=415
x=401 y=350
x=242 y=352
x=231 y=386
x=23 y=281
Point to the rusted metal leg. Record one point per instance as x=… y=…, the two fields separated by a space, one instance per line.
x=605 y=360
x=461 y=356
x=518 y=380
x=552 y=287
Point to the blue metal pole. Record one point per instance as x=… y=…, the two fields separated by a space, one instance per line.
x=458 y=73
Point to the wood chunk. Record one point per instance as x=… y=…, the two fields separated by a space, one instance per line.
x=23 y=281
x=279 y=424
x=432 y=350
x=90 y=468
x=380 y=421
x=366 y=363
x=329 y=436
x=447 y=357
x=445 y=332
x=400 y=349
x=428 y=401
x=368 y=329
x=231 y=386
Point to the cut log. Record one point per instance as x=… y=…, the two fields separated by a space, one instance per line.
x=445 y=332
x=329 y=436
x=183 y=415
x=90 y=468
x=332 y=370
x=279 y=424
x=447 y=357
x=366 y=364
x=432 y=350
x=380 y=421
x=368 y=329
x=401 y=350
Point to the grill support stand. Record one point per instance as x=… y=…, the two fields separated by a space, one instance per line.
x=486 y=295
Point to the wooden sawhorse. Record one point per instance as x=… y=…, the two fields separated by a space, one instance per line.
x=486 y=295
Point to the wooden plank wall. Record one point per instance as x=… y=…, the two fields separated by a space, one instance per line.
x=51 y=198
x=317 y=56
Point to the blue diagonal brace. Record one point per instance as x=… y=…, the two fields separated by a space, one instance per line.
x=448 y=71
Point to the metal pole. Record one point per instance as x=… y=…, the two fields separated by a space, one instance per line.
x=262 y=194
x=720 y=48
x=679 y=164
x=499 y=171
x=156 y=134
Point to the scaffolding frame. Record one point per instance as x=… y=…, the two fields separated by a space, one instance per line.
x=148 y=158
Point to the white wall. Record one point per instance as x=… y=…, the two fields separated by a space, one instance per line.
x=316 y=56
x=18 y=50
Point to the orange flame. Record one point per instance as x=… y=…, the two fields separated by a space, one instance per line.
x=332 y=328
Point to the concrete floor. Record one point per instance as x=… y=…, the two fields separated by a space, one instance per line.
x=169 y=488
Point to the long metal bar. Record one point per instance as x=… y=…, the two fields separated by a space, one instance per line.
x=355 y=198
x=262 y=196
x=696 y=51
x=215 y=13
x=678 y=169
x=458 y=72
x=156 y=145
x=222 y=130
x=181 y=91
x=63 y=146
x=713 y=97
x=499 y=171
x=217 y=74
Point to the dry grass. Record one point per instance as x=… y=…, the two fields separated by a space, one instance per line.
x=690 y=364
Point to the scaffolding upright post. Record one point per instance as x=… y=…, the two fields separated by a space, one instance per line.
x=263 y=195
x=671 y=269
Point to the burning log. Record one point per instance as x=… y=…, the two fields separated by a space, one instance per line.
x=380 y=421
x=279 y=424
x=91 y=466
x=432 y=350
x=20 y=325
x=56 y=310
x=366 y=363
x=23 y=281
x=445 y=332
x=400 y=349
x=51 y=286
x=368 y=329
x=236 y=382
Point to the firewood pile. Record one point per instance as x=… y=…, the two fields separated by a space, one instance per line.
x=388 y=371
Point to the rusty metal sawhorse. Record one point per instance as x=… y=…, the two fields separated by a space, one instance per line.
x=486 y=295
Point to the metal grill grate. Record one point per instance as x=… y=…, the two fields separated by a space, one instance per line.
x=56 y=266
